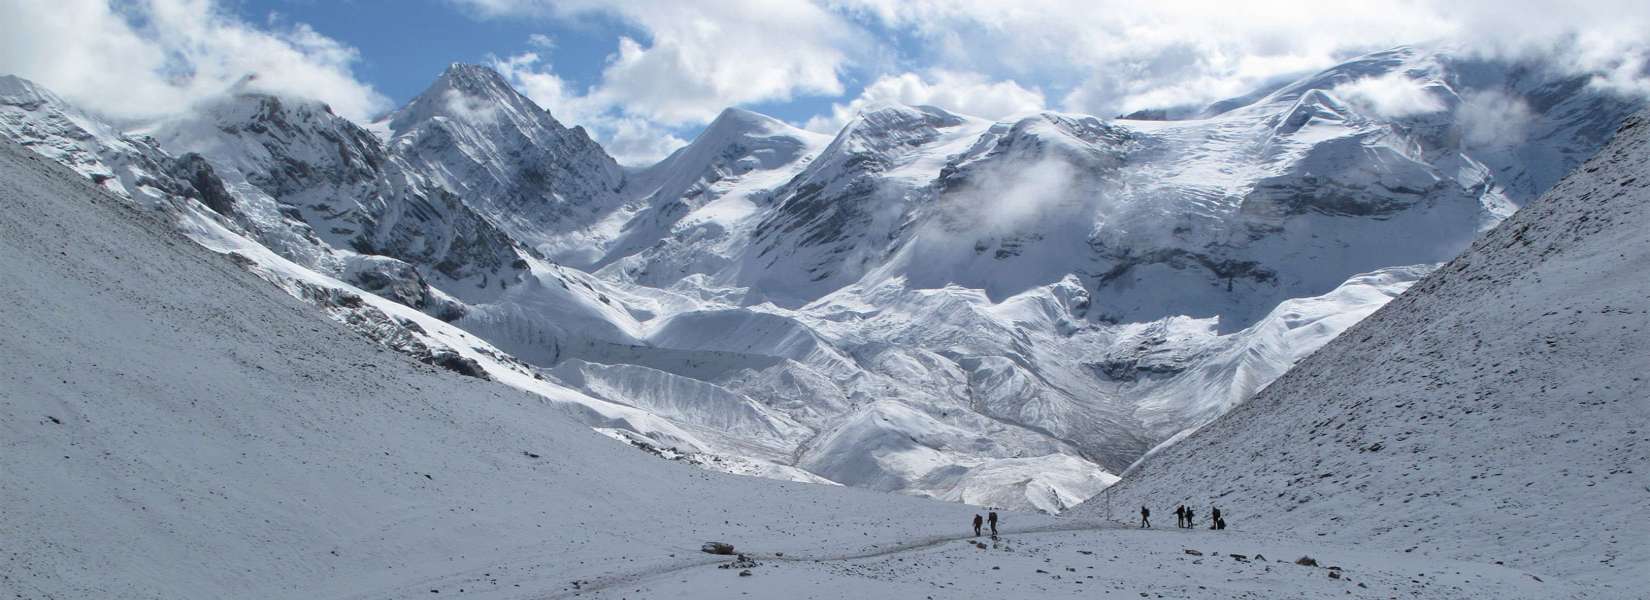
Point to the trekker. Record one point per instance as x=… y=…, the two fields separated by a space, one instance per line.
x=1214 y=518
x=1180 y=516
x=976 y=525
x=1145 y=518
x=992 y=518
x=1189 y=522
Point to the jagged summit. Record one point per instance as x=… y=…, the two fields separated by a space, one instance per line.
x=510 y=159
x=471 y=93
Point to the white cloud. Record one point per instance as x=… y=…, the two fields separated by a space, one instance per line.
x=530 y=75
x=631 y=140
x=638 y=141
x=993 y=59
x=696 y=60
x=1491 y=119
x=154 y=57
x=700 y=58
x=1121 y=56
x=1391 y=95
x=967 y=93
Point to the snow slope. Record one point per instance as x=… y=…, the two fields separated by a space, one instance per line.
x=1497 y=411
x=175 y=427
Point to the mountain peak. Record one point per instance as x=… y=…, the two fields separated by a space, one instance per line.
x=742 y=118
x=17 y=91
x=739 y=122
x=883 y=109
x=466 y=92
x=470 y=77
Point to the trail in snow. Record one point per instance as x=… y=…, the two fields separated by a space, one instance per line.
x=876 y=551
x=1067 y=560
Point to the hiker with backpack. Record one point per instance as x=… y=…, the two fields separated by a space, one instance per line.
x=992 y=519
x=1180 y=516
x=1214 y=519
x=977 y=522
x=1145 y=518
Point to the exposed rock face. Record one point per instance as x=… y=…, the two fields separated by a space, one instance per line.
x=320 y=177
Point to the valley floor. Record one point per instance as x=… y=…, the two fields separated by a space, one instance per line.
x=1067 y=559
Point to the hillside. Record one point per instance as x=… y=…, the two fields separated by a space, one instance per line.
x=1499 y=411
x=173 y=426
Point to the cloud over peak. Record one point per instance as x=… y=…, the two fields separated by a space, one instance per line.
x=153 y=57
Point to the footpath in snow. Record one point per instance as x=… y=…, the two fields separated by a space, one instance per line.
x=1082 y=560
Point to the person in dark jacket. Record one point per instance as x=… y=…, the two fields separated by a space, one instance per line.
x=1189 y=522
x=1180 y=516
x=1214 y=518
x=991 y=518
x=977 y=522
x=1145 y=518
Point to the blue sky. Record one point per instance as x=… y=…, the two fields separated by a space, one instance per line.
x=645 y=75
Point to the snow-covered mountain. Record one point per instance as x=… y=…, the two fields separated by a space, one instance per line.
x=998 y=313
x=547 y=185
x=175 y=427
x=1497 y=411
x=133 y=166
x=705 y=201
x=322 y=190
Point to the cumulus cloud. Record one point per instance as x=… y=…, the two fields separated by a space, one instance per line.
x=139 y=60
x=530 y=75
x=629 y=139
x=966 y=93
x=638 y=141
x=700 y=58
x=1391 y=95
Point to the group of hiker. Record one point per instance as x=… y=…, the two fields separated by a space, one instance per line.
x=1184 y=518
x=992 y=519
